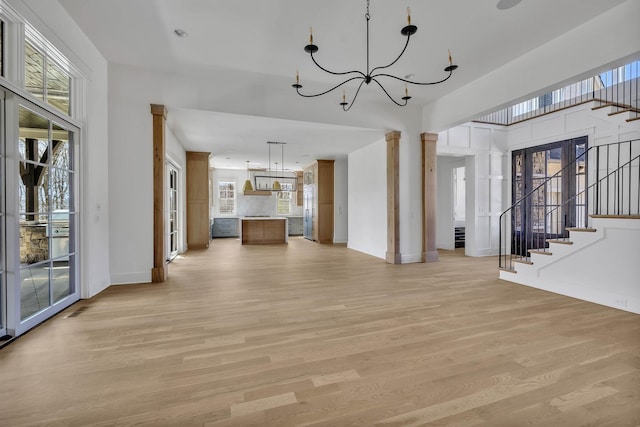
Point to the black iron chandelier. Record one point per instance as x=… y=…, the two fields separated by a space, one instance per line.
x=371 y=75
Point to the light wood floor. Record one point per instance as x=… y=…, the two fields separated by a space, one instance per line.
x=307 y=334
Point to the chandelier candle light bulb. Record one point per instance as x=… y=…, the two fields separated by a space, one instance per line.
x=371 y=75
x=344 y=102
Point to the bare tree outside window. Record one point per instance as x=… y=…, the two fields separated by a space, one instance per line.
x=227 y=197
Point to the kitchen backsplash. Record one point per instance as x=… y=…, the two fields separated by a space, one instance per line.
x=256 y=205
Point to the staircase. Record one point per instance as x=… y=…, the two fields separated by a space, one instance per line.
x=599 y=264
x=627 y=112
x=594 y=257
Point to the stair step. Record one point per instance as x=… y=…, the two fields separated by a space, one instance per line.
x=523 y=261
x=508 y=270
x=610 y=104
x=633 y=119
x=582 y=230
x=561 y=242
x=623 y=110
x=598 y=107
x=540 y=252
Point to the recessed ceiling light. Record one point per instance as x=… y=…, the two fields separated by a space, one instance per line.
x=507 y=4
x=180 y=33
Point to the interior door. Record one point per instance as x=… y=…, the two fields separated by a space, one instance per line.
x=172 y=217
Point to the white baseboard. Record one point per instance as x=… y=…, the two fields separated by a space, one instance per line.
x=410 y=258
x=131 y=278
x=598 y=296
x=482 y=252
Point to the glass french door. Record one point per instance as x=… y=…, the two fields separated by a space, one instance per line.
x=555 y=189
x=41 y=215
x=172 y=217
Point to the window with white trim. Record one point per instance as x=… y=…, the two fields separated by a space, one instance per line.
x=45 y=79
x=284 y=199
x=226 y=197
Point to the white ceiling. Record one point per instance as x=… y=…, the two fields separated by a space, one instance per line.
x=269 y=36
x=239 y=138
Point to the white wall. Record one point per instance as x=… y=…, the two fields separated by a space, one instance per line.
x=577 y=121
x=484 y=151
x=600 y=266
x=368 y=199
x=131 y=177
x=52 y=21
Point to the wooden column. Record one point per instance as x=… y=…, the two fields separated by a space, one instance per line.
x=324 y=178
x=429 y=185
x=393 y=197
x=160 y=269
x=197 y=200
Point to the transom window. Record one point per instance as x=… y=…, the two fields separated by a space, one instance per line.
x=46 y=80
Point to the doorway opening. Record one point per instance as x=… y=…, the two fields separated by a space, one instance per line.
x=459 y=206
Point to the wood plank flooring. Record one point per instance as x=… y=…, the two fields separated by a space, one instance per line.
x=307 y=334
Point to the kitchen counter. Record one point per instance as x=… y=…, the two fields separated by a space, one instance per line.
x=263 y=229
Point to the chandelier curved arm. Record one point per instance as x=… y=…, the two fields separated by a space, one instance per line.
x=333 y=72
x=344 y=104
x=395 y=60
x=449 y=69
x=298 y=86
x=405 y=98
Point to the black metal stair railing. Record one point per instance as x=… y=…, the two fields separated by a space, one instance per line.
x=615 y=173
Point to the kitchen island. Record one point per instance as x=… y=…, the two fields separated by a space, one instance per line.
x=263 y=229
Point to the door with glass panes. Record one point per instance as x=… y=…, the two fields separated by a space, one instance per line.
x=42 y=155
x=551 y=180
x=172 y=217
